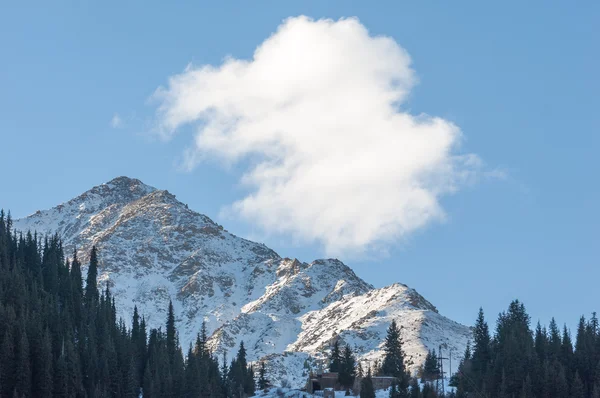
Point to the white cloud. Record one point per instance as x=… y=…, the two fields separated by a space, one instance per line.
x=116 y=121
x=317 y=113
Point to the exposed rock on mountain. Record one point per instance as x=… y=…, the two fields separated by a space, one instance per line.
x=153 y=248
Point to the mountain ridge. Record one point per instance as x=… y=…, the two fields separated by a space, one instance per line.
x=153 y=249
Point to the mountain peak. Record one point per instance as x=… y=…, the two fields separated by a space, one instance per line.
x=125 y=186
x=154 y=250
x=124 y=180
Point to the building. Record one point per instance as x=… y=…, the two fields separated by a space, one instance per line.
x=322 y=381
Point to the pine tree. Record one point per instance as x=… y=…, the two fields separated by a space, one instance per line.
x=171 y=334
x=481 y=351
x=225 y=377
x=541 y=342
x=76 y=280
x=366 y=386
x=335 y=359
x=240 y=375
x=263 y=382
x=393 y=361
x=347 y=368
x=566 y=356
x=514 y=344
x=431 y=367
x=249 y=382
x=91 y=286
x=554 y=341
x=359 y=371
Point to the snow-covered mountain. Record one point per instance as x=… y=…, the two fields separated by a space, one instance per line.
x=153 y=249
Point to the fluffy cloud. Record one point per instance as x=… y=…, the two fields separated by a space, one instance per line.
x=317 y=116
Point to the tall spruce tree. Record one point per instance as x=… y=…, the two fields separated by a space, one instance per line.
x=263 y=382
x=347 y=371
x=393 y=360
x=335 y=358
x=431 y=367
x=91 y=284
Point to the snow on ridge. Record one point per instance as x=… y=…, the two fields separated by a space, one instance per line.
x=153 y=249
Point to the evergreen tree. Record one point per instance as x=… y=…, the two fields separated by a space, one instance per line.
x=61 y=338
x=359 y=371
x=171 y=334
x=335 y=359
x=393 y=361
x=263 y=382
x=431 y=367
x=225 y=377
x=347 y=368
x=91 y=287
x=240 y=375
x=481 y=350
x=366 y=386
x=76 y=279
x=514 y=346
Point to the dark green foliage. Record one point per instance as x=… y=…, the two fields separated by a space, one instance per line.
x=347 y=368
x=263 y=382
x=431 y=367
x=240 y=375
x=519 y=362
x=335 y=359
x=481 y=352
x=59 y=337
x=91 y=287
x=366 y=386
x=393 y=361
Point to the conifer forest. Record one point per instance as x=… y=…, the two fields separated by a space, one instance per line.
x=60 y=337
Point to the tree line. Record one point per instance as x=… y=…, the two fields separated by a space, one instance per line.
x=61 y=337
x=513 y=362
x=519 y=362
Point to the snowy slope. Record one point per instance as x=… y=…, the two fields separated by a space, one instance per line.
x=154 y=249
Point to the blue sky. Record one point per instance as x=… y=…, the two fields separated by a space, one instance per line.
x=520 y=80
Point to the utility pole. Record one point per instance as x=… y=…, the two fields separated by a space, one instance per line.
x=439 y=385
